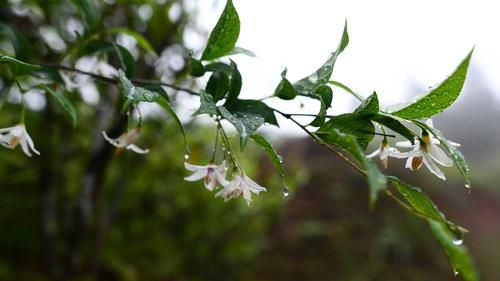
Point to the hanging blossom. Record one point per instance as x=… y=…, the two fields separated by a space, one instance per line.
x=126 y=141
x=17 y=135
x=427 y=152
x=212 y=174
x=240 y=185
x=385 y=151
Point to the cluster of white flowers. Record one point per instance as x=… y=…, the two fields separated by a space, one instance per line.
x=215 y=176
x=425 y=151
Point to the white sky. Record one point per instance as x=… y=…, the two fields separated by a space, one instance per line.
x=393 y=44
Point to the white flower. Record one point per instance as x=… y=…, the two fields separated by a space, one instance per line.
x=126 y=141
x=13 y=136
x=240 y=185
x=429 y=153
x=212 y=174
x=385 y=151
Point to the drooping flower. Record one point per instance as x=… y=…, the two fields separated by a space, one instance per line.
x=126 y=141
x=240 y=185
x=429 y=153
x=385 y=151
x=212 y=174
x=17 y=135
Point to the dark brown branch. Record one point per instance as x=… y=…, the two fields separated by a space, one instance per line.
x=113 y=80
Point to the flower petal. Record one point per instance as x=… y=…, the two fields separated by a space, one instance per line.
x=405 y=144
x=194 y=168
x=439 y=156
x=137 y=149
x=433 y=168
x=24 y=146
x=374 y=153
x=254 y=187
x=112 y=141
x=393 y=152
x=31 y=144
x=196 y=176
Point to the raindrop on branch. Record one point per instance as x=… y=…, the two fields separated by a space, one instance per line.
x=458 y=242
x=286 y=192
x=186 y=156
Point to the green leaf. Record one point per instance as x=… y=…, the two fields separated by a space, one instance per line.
x=243 y=51
x=353 y=124
x=126 y=59
x=63 y=101
x=395 y=125
x=254 y=107
x=89 y=12
x=18 y=67
x=207 y=104
x=271 y=152
x=369 y=107
x=458 y=255
x=141 y=40
x=132 y=93
x=22 y=46
x=223 y=37
x=196 y=68
x=4 y=94
x=421 y=203
x=165 y=104
x=443 y=230
x=245 y=124
x=217 y=85
x=456 y=155
x=285 y=89
x=157 y=88
x=321 y=76
x=234 y=86
x=347 y=89
x=440 y=98
x=376 y=180
x=325 y=96
x=219 y=66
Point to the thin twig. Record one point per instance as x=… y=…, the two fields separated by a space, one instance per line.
x=314 y=137
x=113 y=80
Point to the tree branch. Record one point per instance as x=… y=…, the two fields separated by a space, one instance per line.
x=113 y=80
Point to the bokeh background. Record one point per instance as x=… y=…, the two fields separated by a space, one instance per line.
x=146 y=223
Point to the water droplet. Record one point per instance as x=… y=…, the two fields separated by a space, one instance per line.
x=469 y=188
x=280 y=158
x=286 y=192
x=455 y=273
x=186 y=156
x=458 y=242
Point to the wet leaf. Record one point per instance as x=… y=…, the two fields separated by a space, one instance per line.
x=223 y=37
x=440 y=98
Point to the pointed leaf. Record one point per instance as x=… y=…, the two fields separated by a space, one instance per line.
x=63 y=101
x=395 y=125
x=207 y=104
x=217 y=85
x=245 y=124
x=165 y=104
x=440 y=98
x=234 y=86
x=285 y=89
x=18 y=67
x=325 y=96
x=141 y=40
x=271 y=152
x=223 y=37
x=347 y=89
x=458 y=255
x=352 y=124
x=369 y=106
x=376 y=180
x=89 y=13
x=243 y=51
x=321 y=76
x=254 y=107
x=126 y=59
